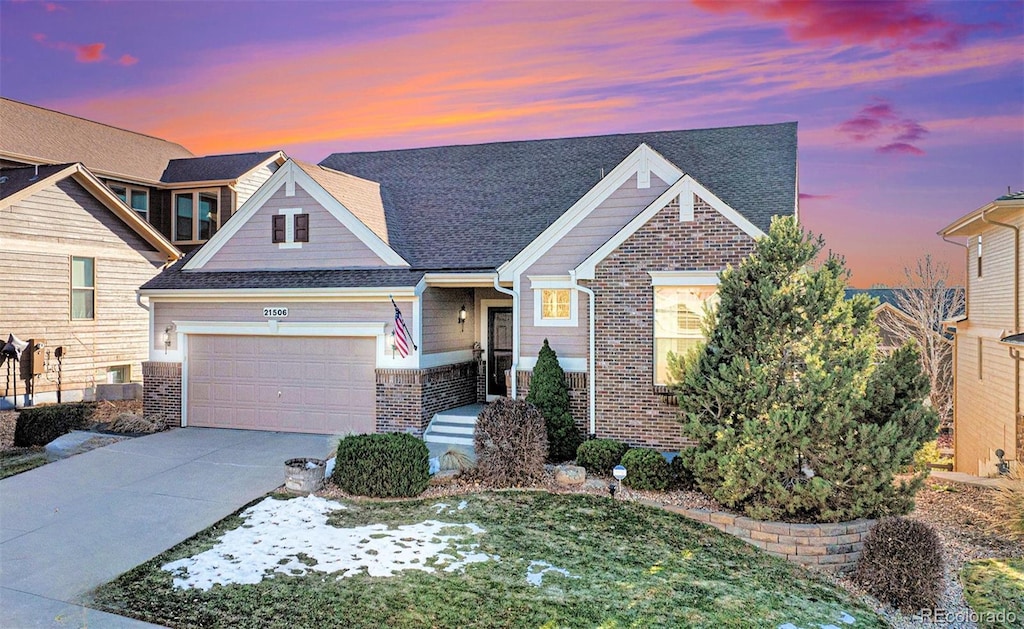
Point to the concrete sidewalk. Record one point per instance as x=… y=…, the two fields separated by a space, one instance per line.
x=74 y=524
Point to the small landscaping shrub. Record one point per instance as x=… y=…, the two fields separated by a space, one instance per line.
x=510 y=443
x=682 y=477
x=902 y=564
x=39 y=425
x=382 y=466
x=599 y=456
x=928 y=454
x=137 y=422
x=549 y=393
x=455 y=459
x=1008 y=506
x=646 y=469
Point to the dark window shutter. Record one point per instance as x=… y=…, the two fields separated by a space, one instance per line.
x=302 y=228
x=278 y=231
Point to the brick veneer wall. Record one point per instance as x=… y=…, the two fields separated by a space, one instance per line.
x=161 y=391
x=629 y=408
x=826 y=546
x=577 y=382
x=407 y=399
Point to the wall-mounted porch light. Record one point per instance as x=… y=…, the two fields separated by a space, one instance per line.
x=462 y=317
x=167 y=337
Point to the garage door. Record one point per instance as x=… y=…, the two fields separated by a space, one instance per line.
x=293 y=384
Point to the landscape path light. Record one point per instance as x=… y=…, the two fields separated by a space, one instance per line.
x=619 y=472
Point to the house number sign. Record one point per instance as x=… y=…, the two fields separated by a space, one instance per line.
x=277 y=313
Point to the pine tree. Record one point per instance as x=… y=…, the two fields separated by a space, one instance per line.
x=792 y=418
x=550 y=394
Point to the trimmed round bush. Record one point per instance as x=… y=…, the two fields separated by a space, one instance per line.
x=902 y=564
x=39 y=425
x=646 y=469
x=511 y=443
x=599 y=456
x=382 y=466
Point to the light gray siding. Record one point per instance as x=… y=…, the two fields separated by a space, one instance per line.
x=248 y=186
x=331 y=244
x=442 y=331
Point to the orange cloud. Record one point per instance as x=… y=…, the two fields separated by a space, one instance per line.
x=127 y=60
x=89 y=53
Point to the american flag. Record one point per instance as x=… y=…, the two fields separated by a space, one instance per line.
x=403 y=337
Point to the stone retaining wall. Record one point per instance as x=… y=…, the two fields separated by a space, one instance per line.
x=834 y=547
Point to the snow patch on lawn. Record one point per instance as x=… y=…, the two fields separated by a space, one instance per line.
x=537 y=569
x=276 y=532
x=844 y=618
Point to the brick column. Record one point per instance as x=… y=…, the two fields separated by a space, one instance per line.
x=161 y=392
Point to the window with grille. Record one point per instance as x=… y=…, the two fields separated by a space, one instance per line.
x=678 y=314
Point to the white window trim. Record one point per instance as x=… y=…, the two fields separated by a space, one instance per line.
x=194 y=239
x=128 y=191
x=73 y=288
x=674 y=278
x=538 y=284
x=289 y=228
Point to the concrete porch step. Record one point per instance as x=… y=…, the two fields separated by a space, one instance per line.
x=454 y=426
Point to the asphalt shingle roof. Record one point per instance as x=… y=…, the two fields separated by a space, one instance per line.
x=213 y=167
x=476 y=206
x=14 y=180
x=50 y=136
x=176 y=277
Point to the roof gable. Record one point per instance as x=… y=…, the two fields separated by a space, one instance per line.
x=37 y=135
x=477 y=206
x=349 y=241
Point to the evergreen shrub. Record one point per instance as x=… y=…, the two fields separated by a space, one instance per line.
x=599 y=456
x=793 y=418
x=646 y=469
x=382 y=465
x=549 y=393
x=902 y=564
x=39 y=425
x=510 y=443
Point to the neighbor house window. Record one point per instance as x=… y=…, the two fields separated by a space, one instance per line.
x=979 y=255
x=678 y=312
x=119 y=374
x=83 y=288
x=196 y=216
x=135 y=198
x=981 y=348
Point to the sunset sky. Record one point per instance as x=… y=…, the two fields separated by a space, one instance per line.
x=910 y=113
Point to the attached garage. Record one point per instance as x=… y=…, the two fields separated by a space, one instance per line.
x=284 y=383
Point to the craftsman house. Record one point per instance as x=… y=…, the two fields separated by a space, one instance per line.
x=186 y=198
x=989 y=339
x=72 y=255
x=607 y=246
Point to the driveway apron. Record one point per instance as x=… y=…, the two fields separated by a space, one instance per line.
x=72 y=525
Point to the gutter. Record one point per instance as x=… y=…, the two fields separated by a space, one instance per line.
x=515 y=333
x=592 y=359
x=138 y=300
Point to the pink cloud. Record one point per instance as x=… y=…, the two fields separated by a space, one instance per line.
x=874 y=120
x=53 y=7
x=85 y=53
x=892 y=24
x=127 y=60
x=89 y=53
x=899 y=148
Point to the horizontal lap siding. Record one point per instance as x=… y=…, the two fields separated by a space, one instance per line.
x=991 y=294
x=593 y=231
x=39 y=236
x=248 y=186
x=985 y=417
x=442 y=331
x=331 y=244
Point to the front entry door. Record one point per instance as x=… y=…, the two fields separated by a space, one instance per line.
x=499 y=349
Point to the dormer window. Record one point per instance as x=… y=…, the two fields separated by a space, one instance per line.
x=196 y=215
x=135 y=198
x=290 y=228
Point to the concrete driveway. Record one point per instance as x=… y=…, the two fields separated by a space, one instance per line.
x=72 y=525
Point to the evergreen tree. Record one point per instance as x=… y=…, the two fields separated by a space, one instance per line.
x=792 y=418
x=550 y=394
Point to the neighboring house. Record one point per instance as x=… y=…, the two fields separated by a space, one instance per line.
x=72 y=255
x=888 y=316
x=988 y=347
x=607 y=246
x=187 y=198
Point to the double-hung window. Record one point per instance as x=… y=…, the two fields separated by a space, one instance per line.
x=196 y=215
x=135 y=198
x=83 y=288
x=678 y=313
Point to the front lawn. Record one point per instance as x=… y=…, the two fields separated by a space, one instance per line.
x=995 y=590
x=483 y=560
x=17 y=460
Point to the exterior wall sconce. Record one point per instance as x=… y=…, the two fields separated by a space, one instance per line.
x=167 y=337
x=462 y=317
x=391 y=341
x=1003 y=466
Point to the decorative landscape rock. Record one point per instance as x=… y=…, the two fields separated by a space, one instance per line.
x=570 y=475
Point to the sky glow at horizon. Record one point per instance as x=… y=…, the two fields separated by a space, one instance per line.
x=910 y=114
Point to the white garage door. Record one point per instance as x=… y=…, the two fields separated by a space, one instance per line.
x=292 y=384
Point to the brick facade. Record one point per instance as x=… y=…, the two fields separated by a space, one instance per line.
x=629 y=407
x=161 y=391
x=577 y=382
x=407 y=399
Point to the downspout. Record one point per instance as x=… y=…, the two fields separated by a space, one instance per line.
x=138 y=300
x=1019 y=414
x=515 y=333
x=592 y=359
x=956 y=337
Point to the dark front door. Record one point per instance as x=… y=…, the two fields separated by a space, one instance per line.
x=499 y=349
